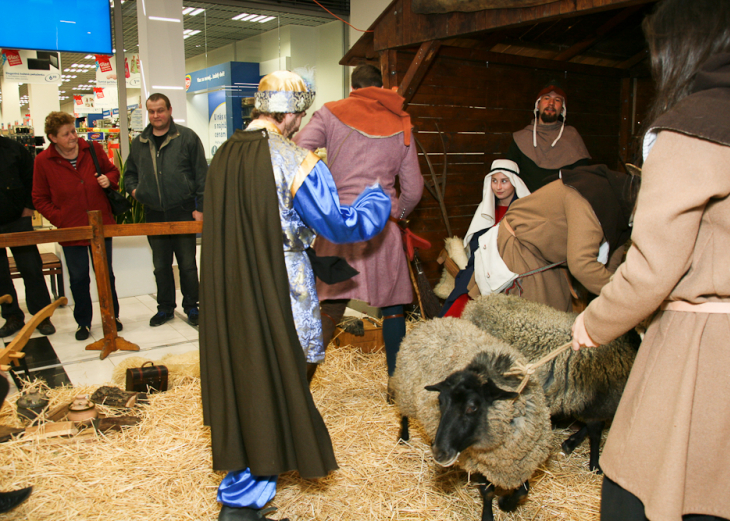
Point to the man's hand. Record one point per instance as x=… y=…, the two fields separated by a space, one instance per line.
x=103 y=181
x=580 y=335
x=27 y=212
x=197 y=216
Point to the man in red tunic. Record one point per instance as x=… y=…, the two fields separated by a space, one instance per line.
x=368 y=140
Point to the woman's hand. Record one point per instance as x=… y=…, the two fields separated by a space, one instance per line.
x=103 y=181
x=580 y=335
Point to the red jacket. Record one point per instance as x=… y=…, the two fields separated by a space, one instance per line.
x=63 y=194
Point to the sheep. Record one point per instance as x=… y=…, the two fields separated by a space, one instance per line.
x=454 y=246
x=586 y=384
x=477 y=419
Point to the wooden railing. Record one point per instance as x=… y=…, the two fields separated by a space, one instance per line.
x=96 y=232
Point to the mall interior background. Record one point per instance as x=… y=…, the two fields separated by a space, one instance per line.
x=301 y=34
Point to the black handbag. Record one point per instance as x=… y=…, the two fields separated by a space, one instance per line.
x=117 y=201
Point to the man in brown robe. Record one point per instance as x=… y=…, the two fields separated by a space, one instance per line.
x=547 y=144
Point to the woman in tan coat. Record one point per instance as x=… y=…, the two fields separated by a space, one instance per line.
x=667 y=455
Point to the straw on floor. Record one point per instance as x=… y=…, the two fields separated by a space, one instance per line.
x=161 y=468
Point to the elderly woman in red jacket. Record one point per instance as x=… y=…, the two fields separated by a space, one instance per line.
x=65 y=187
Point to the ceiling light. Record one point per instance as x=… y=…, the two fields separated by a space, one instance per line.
x=89 y=57
x=267 y=19
x=248 y=18
x=186 y=10
x=65 y=70
x=75 y=65
x=197 y=12
x=191 y=33
x=257 y=18
x=239 y=16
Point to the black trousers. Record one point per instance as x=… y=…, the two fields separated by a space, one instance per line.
x=618 y=504
x=77 y=263
x=30 y=266
x=183 y=247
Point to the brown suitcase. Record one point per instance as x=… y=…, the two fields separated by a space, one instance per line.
x=147 y=379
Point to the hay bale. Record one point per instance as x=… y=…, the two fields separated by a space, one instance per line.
x=181 y=368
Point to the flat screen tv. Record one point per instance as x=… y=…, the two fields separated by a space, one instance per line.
x=49 y=25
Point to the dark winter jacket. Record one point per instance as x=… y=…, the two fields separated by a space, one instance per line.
x=16 y=180
x=170 y=176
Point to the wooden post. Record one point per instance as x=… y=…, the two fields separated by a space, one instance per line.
x=624 y=137
x=388 y=61
x=111 y=342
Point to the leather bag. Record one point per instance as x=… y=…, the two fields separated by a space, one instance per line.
x=117 y=201
x=147 y=379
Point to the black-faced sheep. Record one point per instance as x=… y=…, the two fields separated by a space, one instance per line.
x=476 y=420
x=586 y=384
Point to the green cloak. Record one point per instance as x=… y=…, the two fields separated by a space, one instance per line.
x=255 y=393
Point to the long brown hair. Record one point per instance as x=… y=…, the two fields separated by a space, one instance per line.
x=682 y=35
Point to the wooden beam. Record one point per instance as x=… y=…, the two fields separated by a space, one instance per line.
x=525 y=61
x=637 y=58
x=423 y=28
x=417 y=70
x=81 y=233
x=388 y=69
x=624 y=135
x=579 y=47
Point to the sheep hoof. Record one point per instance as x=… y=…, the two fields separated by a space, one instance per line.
x=595 y=468
x=510 y=502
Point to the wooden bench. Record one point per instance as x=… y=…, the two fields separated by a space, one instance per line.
x=51 y=267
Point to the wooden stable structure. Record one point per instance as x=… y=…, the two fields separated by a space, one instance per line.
x=470 y=79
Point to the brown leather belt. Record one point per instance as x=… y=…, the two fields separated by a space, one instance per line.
x=689 y=307
x=399 y=315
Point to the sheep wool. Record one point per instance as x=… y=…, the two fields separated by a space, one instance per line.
x=455 y=248
x=518 y=436
x=574 y=382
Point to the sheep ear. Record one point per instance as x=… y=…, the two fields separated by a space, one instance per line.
x=435 y=387
x=495 y=393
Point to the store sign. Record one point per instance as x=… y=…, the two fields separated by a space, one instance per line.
x=105 y=97
x=106 y=70
x=84 y=104
x=210 y=78
x=136 y=121
x=217 y=128
x=21 y=66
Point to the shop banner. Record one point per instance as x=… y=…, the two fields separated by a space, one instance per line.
x=21 y=66
x=106 y=70
x=217 y=128
x=106 y=97
x=84 y=104
x=136 y=121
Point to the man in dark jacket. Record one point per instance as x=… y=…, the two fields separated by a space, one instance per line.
x=166 y=171
x=16 y=214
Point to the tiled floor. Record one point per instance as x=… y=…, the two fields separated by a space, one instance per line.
x=83 y=367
